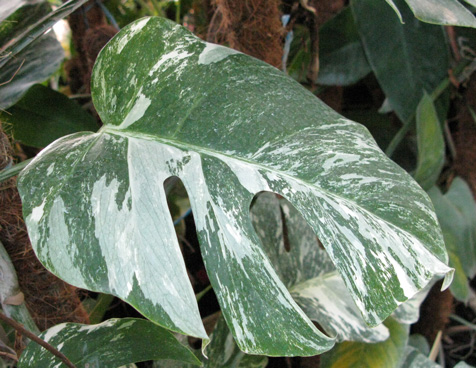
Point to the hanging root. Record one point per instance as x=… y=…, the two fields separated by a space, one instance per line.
x=250 y=26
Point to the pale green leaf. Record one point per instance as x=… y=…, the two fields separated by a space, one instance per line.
x=44 y=115
x=456 y=211
x=431 y=144
x=415 y=359
x=444 y=12
x=386 y=354
x=11 y=297
x=401 y=54
x=110 y=344
x=229 y=126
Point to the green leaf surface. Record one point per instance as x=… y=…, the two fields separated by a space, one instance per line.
x=444 y=12
x=229 y=126
x=110 y=344
x=44 y=115
x=401 y=54
x=456 y=211
x=386 y=354
x=431 y=144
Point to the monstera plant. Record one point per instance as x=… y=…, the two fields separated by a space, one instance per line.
x=229 y=126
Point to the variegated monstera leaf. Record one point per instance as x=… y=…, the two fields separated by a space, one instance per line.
x=228 y=126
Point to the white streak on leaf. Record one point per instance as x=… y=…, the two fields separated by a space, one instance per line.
x=213 y=53
x=138 y=110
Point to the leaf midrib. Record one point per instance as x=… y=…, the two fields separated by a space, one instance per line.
x=218 y=154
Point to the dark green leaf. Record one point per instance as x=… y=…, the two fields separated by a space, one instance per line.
x=386 y=354
x=229 y=126
x=110 y=344
x=44 y=115
x=401 y=54
x=431 y=144
x=33 y=65
x=456 y=211
x=342 y=58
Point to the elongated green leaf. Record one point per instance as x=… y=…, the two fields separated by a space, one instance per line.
x=228 y=126
x=431 y=144
x=445 y=12
x=31 y=65
x=401 y=54
x=456 y=211
x=386 y=354
x=44 y=115
x=110 y=344
x=33 y=32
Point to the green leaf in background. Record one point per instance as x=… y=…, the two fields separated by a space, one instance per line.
x=456 y=211
x=31 y=65
x=431 y=144
x=31 y=33
x=9 y=7
x=414 y=358
x=444 y=12
x=229 y=126
x=44 y=115
x=222 y=352
x=386 y=354
x=110 y=344
x=308 y=272
x=401 y=54
x=342 y=59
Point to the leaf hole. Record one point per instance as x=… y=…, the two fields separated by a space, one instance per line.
x=180 y=211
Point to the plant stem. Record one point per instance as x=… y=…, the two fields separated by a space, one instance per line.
x=456 y=318
x=203 y=292
x=21 y=330
x=9 y=356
